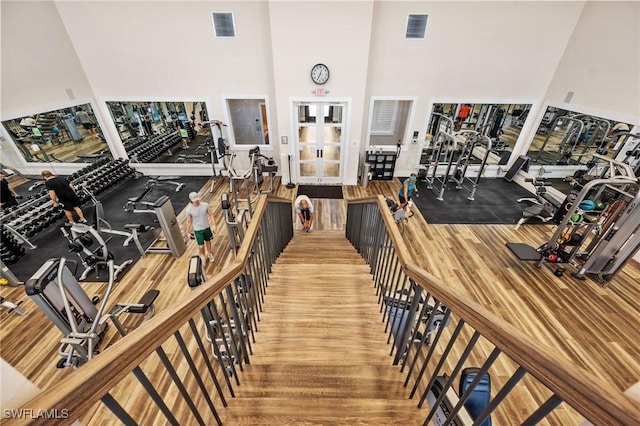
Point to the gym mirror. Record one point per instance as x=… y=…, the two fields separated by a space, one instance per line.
x=164 y=132
x=502 y=123
x=66 y=135
x=571 y=138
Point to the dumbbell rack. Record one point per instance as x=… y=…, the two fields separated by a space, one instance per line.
x=37 y=213
x=149 y=149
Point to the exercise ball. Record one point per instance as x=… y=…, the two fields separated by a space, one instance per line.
x=587 y=205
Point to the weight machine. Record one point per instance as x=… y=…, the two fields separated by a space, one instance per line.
x=169 y=233
x=542 y=207
x=236 y=224
x=455 y=152
x=259 y=168
x=153 y=182
x=599 y=240
x=573 y=130
x=102 y=226
x=592 y=138
x=58 y=294
x=81 y=237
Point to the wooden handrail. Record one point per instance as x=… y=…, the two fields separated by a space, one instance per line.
x=594 y=398
x=79 y=391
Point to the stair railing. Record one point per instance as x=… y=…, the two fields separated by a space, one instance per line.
x=226 y=307
x=436 y=334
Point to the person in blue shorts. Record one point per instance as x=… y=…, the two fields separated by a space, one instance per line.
x=201 y=225
x=407 y=190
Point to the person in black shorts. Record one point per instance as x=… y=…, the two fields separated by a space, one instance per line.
x=8 y=197
x=62 y=193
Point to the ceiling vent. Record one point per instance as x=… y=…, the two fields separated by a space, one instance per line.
x=223 y=24
x=416 y=26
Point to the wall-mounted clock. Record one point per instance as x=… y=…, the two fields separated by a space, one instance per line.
x=320 y=73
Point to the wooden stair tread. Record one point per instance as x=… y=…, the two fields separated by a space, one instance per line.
x=306 y=411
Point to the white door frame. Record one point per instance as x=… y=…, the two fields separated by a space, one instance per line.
x=344 y=145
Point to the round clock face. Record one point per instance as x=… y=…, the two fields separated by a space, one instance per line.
x=320 y=73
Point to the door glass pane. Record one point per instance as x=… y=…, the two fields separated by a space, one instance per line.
x=332 y=134
x=307 y=113
x=308 y=169
x=331 y=169
x=306 y=134
x=331 y=153
x=333 y=114
x=308 y=153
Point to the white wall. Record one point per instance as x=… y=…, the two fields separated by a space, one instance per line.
x=601 y=63
x=39 y=64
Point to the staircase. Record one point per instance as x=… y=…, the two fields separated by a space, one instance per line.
x=320 y=355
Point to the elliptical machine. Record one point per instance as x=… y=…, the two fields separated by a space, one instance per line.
x=55 y=290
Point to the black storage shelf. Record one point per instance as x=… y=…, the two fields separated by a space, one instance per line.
x=382 y=165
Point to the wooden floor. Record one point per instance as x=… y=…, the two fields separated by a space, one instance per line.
x=596 y=328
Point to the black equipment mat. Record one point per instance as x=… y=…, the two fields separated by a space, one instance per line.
x=321 y=191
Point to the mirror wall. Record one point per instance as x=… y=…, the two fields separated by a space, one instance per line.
x=502 y=123
x=571 y=138
x=163 y=132
x=65 y=135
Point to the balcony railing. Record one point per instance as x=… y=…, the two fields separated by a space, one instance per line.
x=437 y=335
x=224 y=310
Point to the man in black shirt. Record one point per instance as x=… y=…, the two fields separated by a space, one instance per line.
x=62 y=192
x=7 y=195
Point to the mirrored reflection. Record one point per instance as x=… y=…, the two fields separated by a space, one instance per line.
x=501 y=123
x=66 y=135
x=571 y=138
x=165 y=132
x=248 y=120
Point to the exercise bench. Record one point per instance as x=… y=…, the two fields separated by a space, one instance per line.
x=190 y=158
x=144 y=307
x=164 y=181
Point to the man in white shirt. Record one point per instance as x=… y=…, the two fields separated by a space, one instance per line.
x=304 y=209
x=201 y=225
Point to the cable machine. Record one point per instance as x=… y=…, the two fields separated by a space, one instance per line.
x=600 y=230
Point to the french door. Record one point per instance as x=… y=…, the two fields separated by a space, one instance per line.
x=319 y=141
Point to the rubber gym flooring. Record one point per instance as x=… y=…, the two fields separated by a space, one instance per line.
x=494 y=203
x=52 y=244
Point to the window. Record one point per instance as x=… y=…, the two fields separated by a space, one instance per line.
x=388 y=121
x=383 y=120
x=223 y=24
